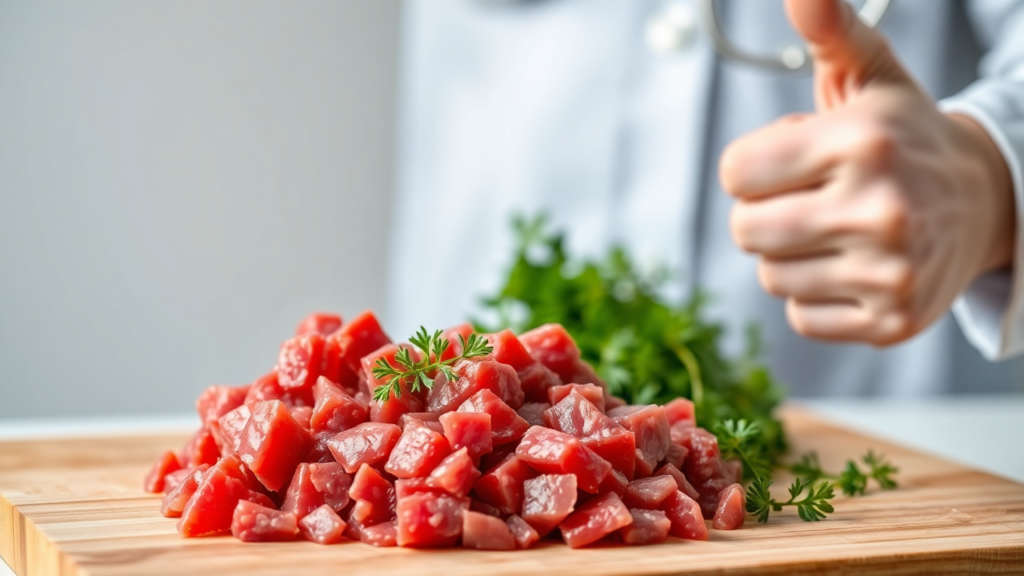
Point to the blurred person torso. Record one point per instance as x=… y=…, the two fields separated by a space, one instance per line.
x=573 y=107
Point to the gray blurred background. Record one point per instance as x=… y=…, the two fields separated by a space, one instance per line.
x=181 y=181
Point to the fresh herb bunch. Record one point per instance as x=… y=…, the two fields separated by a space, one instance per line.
x=417 y=373
x=811 y=508
x=646 y=349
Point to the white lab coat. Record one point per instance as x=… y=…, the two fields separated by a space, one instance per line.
x=562 y=105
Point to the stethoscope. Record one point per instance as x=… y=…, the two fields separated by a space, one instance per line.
x=792 y=58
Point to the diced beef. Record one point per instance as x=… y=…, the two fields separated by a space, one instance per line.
x=577 y=415
x=299 y=361
x=381 y=535
x=323 y=526
x=217 y=401
x=418 y=451
x=374 y=496
x=594 y=520
x=648 y=527
x=680 y=410
x=405 y=401
x=533 y=412
x=731 y=508
x=200 y=449
x=409 y=486
x=591 y=392
x=211 y=508
x=302 y=415
x=474 y=375
x=452 y=336
x=521 y=530
x=553 y=452
x=483 y=532
x=484 y=508
x=428 y=419
x=686 y=517
x=615 y=482
x=704 y=467
x=456 y=474
x=682 y=484
x=227 y=431
x=254 y=523
x=676 y=455
x=469 y=430
x=430 y=520
x=174 y=479
x=502 y=485
x=649 y=493
x=367 y=443
x=553 y=347
x=322 y=323
x=175 y=500
x=547 y=500
x=165 y=464
x=315 y=485
x=361 y=336
x=506 y=425
x=335 y=410
x=267 y=387
x=651 y=431
x=534 y=378
x=273 y=444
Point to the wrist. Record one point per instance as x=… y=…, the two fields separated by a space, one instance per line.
x=989 y=179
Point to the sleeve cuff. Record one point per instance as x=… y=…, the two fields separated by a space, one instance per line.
x=991 y=311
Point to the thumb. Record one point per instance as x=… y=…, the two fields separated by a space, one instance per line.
x=847 y=54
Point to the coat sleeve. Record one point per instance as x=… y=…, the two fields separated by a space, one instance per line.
x=991 y=311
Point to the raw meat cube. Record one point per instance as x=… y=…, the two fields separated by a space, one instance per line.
x=255 y=523
x=502 y=486
x=731 y=508
x=366 y=443
x=521 y=530
x=648 y=527
x=358 y=338
x=536 y=380
x=576 y=415
x=553 y=347
x=167 y=463
x=651 y=430
x=455 y=474
x=473 y=376
x=391 y=409
x=509 y=350
x=335 y=410
x=676 y=455
x=591 y=392
x=469 y=430
x=733 y=470
x=649 y=493
x=175 y=500
x=174 y=479
x=299 y=362
x=506 y=425
x=322 y=323
x=302 y=415
x=320 y=452
x=217 y=401
x=200 y=449
x=548 y=499
x=686 y=517
x=430 y=520
x=613 y=402
x=418 y=452
x=267 y=387
x=484 y=508
x=594 y=520
x=680 y=410
x=429 y=419
x=211 y=508
x=615 y=482
x=227 y=431
x=374 y=496
x=483 y=532
x=273 y=444
x=584 y=373
x=261 y=499
x=704 y=467
x=322 y=526
x=409 y=486
x=553 y=452
x=452 y=336
x=383 y=535
x=314 y=485
x=533 y=412
x=682 y=484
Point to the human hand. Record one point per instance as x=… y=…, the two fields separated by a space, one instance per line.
x=871 y=215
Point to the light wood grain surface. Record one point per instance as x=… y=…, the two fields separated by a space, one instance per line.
x=76 y=507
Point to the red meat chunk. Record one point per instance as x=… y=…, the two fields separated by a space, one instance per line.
x=676 y=455
x=174 y=479
x=615 y=482
x=473 y=376
x=217 y=401
x=358 y=338
x=576 y=415
x=391 y=409
x=731 y=508
x=302 y=415
x=323 y=526
x=322 y=323
x=682 y=484
x=648 y=527
x=430 y=520
x=409 y=486
x=704 y=467
x=381 y=535
x=680 y=410
x=418 y=451
x=484 y=508
x=649 y=493
x=261 y=499
x=267 y=387
x=176 y=499
x=299 y=361
x=211 y=508
x=165 y=464
x=314 y=485
x=502 y=485
x=521 y=530
x=366 y=443
x=548 y=499
x=589 y=391
x=553 y=347
x=456 y=474
x=686 y=517
x=483 y=532
x=651 y=430
x=469 y=430
x=335 y=410
x=374 y=496
x=227 y=431
x=200 y=449
x=594 y=520
x=428 y=418
x=733 y=470
x=536 y=380
x=553 y=452
x=509 y=350
x=452 y=336
x=273 y=444
x=506 y=425
x=533 y=412
x=254 y=523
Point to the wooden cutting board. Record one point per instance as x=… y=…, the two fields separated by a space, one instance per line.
x=76 y=507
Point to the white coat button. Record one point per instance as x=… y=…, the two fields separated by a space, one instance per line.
x=672 y=30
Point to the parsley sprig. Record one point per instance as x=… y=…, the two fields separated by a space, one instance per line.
x=852 y=481
x=811 y=508
x=420 y=373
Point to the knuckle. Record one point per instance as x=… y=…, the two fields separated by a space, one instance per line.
x=770 y=279
x=894 y=327
x=742 y=226
x=730 y=168
x=872 y=142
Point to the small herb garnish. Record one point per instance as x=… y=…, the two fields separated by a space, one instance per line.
x=419 y=372
x=811 y=508
x=851 y=480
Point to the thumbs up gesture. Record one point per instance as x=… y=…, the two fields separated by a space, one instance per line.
x=872 y=214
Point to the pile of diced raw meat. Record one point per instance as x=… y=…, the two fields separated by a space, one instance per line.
x=524 y=444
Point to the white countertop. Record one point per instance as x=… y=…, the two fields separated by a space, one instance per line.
x=985 y=432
